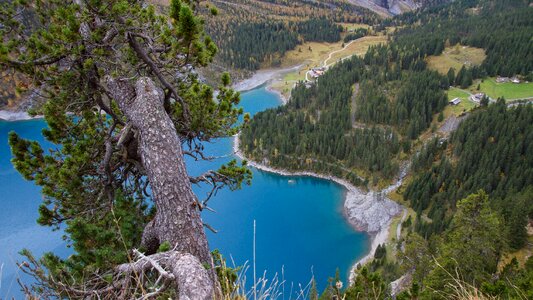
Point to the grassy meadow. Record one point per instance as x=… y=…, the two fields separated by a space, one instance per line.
x=455 y=57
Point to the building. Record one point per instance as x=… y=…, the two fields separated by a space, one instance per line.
x=477 y=97
x=455 y=101
x=501 y=79
x=314 y=74
x=317 y=72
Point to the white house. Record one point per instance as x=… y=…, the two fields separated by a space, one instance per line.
x=455 y=101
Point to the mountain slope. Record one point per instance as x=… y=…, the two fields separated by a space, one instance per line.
x=387 y=8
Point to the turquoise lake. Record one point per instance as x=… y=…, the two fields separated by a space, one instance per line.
x=300 y=228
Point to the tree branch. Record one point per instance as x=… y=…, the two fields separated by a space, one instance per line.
x=157 y=72
x=48 y=60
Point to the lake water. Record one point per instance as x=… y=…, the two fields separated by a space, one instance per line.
x=300 y=228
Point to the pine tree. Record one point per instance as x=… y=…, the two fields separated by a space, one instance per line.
x=126 y=60
x=451 y=76
x=473 y=245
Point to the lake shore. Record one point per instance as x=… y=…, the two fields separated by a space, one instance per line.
x=263 y=76
x=369 y=212
x=259 y=78
x=284 y=99
x=11 y=116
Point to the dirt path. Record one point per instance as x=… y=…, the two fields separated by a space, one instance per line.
x=399 y=228
x=330 y=55
x=325 y=64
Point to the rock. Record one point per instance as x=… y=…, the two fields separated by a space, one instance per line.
x=400 y=284
x=370 y=212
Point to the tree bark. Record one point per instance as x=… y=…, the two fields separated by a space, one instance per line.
x=186 y=270
x=177 y=219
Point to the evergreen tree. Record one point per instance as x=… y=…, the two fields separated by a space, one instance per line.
x=473 y=245
x=416 y=258
x=115 y=57
x=367 y=285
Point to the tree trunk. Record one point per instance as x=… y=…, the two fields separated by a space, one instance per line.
x=177 y=220
x=185 y=269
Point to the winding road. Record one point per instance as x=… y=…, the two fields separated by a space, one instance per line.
x=330 y=55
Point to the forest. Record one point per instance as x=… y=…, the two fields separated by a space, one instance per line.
x=252 y=34
x=315 y=130
x=393 y=90
x=327 y=134
x=251 y=45
x=471 y=192
x=410 y=110
x=358 y=33
x=354 y=122
x=492 y=151
x=502 y=28
x=473 y=200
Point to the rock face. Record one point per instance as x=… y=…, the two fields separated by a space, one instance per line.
x=373 y=211
x=21 y=104
x=397 y=7
x=370 y=212
x=388 y=7
x=401 y=284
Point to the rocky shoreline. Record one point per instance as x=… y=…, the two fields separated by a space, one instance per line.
x=7 y=115
x=284 y=99
x=261 y=77
x=370 y=211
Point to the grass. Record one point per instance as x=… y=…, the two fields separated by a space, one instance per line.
x=521 y=255
x=458 y=289
x=360 y=47
x=284 y=87
x=455 y=57
x=465 y=105
x=315 y=58
x=392 y=240
x=353 y=26
x=508 y=90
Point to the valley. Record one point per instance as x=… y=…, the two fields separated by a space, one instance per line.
x=351 y=149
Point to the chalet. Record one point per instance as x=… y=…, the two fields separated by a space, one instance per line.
x=501 y=79
x=318 y=71
x=477 y=97
x=314 y=74
x=455 y=101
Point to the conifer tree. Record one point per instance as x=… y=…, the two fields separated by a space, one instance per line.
x=473 y=245
x=123 y=107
